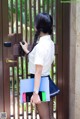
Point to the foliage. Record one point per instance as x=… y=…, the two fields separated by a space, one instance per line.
x=17 y=9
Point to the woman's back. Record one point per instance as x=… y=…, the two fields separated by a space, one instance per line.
x=42 y=54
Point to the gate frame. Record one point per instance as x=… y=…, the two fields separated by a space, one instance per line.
x=5 y=87
x=63 y=42
x=1 y=62
x=63 y=39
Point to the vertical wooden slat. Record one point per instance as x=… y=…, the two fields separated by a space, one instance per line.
x=31 y=111
x=12 y=16
x=27 y=77
x=34 y=9
x=48 y=6
x=35 y=112
x=52 y=6
x=18 y=99
x=18 y=90
x=19 y=77
x=21 y=27
x=26 y=58
x=38 y=6
x=66 y=57
x=59 y=60
x=10 y=75
x=30 y=10
x=12 y=90
x=17 y=17
x=53 y=101
x=27 y=110
x=22 y=78
x=13 y=94
x=26 y=20
x=43 y=6
x=52 y=3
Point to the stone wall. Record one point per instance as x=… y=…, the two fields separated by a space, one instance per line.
x=75 y=61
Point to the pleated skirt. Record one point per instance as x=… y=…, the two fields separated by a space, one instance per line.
x=54 y=90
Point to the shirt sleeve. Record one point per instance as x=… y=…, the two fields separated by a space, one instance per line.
x=40 y=56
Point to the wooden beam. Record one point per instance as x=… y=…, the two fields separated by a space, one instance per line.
x=5 y=55
x=66 y=51
x=1 y=62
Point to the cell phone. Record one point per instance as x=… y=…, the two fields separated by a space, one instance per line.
x=23 y=42
x=21 y=51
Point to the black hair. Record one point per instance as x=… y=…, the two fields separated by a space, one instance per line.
x=43 y=23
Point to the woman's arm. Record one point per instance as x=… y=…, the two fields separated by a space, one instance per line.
x=38 y=72
x=25 y=47
x=35 y=97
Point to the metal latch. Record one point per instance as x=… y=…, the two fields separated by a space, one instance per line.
x=10 y=61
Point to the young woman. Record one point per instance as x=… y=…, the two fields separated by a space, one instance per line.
x=41 y=57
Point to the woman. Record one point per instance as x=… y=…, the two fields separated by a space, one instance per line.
x=41 y=57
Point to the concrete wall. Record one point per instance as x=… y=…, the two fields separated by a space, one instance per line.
x=75 y=62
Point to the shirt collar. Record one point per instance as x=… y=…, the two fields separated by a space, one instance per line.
x=45 y=37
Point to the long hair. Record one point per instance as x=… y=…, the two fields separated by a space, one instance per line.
x=43 y=23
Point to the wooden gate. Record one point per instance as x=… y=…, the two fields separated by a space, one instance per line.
x=17 y=24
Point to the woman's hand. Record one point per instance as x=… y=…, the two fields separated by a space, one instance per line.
x=24 y=46
x=35 y=99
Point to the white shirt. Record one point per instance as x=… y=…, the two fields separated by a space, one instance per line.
x=42 y=54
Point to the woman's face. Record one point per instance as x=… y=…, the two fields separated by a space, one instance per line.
x=35 y=29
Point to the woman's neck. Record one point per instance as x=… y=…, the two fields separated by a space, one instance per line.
x=43 y=34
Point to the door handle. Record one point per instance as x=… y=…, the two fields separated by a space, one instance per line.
x=10 y=61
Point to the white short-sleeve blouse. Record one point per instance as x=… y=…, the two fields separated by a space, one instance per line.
x=42 y=54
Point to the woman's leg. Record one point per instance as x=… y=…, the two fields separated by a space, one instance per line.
x=43 y=110
x=51 y=108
